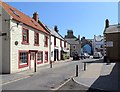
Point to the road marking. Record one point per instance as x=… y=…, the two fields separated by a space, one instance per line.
x=16 y=80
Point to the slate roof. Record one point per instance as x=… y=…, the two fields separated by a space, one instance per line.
x=113 y=29
x=21 y=17
x=72 y=41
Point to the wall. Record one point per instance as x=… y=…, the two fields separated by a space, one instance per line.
x=5 y=42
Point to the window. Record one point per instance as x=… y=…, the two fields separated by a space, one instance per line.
x=36 y=39
x=25 y=36
x=64 y=43
x=55 y=41
x=74 y=46
x=40 y=57
x=46 y=41
x=60 y=43
x=46 y=57
x=23 y=59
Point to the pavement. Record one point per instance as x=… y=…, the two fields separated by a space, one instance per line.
x=100 y=76
x=7 y=78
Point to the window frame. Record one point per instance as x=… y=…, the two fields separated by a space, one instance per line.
x=65 y=44
x=46 y=61
x=36 y=44
x=25 y=42
x=60 y=43
x=55 y=41
x=24 y=64
x=38 y=61
x=46 y=41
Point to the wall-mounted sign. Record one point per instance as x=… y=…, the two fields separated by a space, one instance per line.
x=109 y=43
x=16 y=42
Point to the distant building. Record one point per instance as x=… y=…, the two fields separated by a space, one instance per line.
x=98 y=43
x=75 y=44
x=86 y=45
x=87 y=49
x=112 y=42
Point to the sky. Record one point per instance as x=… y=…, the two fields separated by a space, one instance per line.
x=84 y=18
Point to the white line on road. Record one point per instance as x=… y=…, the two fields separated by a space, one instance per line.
x=63 y=84
x=16 y=80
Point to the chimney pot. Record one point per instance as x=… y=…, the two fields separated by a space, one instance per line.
x=36 y=16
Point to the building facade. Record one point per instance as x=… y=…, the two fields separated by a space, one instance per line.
x=25 y=44
x=98 y=44
x=75 y=44
x=111 y=42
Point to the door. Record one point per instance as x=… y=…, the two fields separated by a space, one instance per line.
x=33 y=60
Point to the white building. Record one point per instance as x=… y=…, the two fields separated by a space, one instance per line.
x=25 y=44
x=59 y=47
x=98 y=43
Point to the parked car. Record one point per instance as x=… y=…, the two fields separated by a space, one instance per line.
x=97 y=55
x=76 y=56
x=86 y=55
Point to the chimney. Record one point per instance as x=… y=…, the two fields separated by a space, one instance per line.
x=36 y=16
x=56 y=28
x=106 y=23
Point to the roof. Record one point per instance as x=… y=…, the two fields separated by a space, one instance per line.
x=113 y=29
x=54 y=33
x=99 y=38
x=72 y=41
x=21 y=17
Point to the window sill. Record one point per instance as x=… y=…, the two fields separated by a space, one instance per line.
x=36 y=45
x=39 y=62
x=24 y=43
x=23 y=65
x=45 y=45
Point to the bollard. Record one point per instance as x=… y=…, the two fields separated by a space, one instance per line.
x=76 y=70
x=50 y=64
x=34 y=66
x=84 y=66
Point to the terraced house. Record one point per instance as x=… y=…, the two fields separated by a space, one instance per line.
x=25 y=43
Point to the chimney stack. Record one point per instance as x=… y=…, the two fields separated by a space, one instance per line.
x=106 y=23
x=36 y=16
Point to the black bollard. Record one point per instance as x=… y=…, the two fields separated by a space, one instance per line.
x=50 y=64
x=76 y=70
x=34 y=66
x=84 y=66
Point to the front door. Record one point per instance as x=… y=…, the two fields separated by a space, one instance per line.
x=33 y=60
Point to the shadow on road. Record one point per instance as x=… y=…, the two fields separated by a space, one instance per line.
x=108 y=83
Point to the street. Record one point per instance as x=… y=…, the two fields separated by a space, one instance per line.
x=48 y=78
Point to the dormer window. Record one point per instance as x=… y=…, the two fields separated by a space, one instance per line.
x=14 y=12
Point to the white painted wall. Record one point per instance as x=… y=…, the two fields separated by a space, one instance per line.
x=52 y=48
x=16 y=35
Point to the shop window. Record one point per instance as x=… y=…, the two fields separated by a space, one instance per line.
x=40 y=57
x=46 y=57
x=23 y=59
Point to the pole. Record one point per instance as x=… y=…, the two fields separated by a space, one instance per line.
x=35 y=63
x=76 y=70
